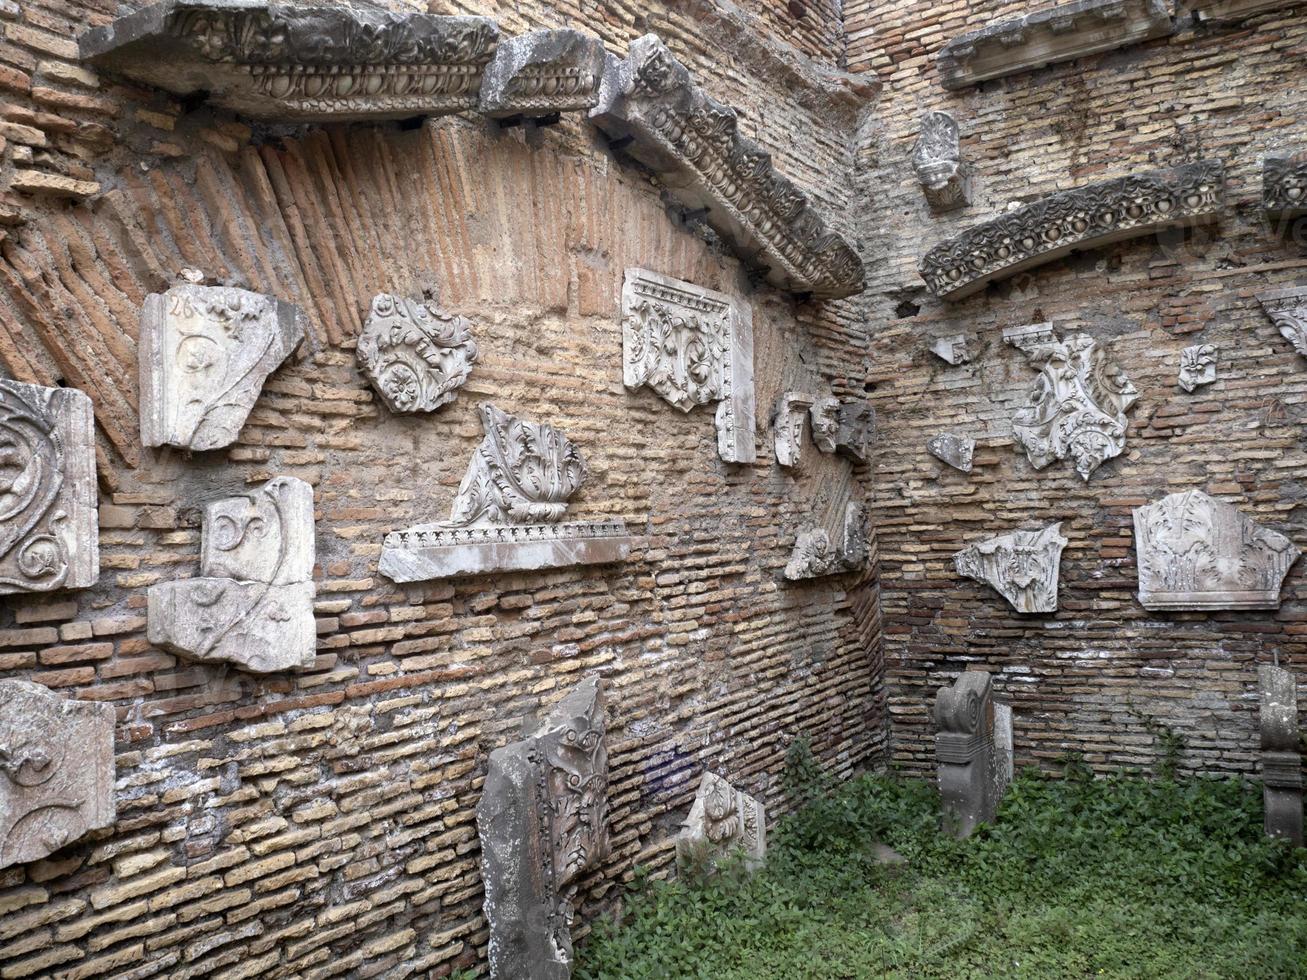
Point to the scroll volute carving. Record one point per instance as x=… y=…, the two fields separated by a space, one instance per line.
x=415 y=355
x=966 y=707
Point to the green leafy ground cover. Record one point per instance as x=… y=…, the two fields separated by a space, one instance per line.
x=1119 y=877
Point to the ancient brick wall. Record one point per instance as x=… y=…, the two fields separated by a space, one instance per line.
x=1094 y=676
x=322 y=823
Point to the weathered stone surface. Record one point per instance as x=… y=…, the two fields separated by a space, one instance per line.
x=665 y=121
x=1060 y=33
x=693 y=346
x=49 y=523
x=857 y=429
x=1088 y=217
x=792 y=409
x=1231 y=10
x=1195 y=552
x=972 y=772
x=1030 y=335
x=1197 y=366
x=1077 y=405
x=951 y=350
x=543 y=72
x=292 y=62
x=543 y=820
x=953 y=449
x=253 y=602
x=1281 y=753
x=722 y=820
x=56 y=770
x=414 y=354
x=1022 y=566
x=937 y=161
x=814 y=555
x=507 y=512
x=204 y=354
x=1284 y=186
x=1287 y=309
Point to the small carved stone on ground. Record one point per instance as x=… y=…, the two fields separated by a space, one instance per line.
x=722 y=820
x=953 y=449
x=937 y=160
x=414 y=354
x=1022 y=566
x=815 y=556
x=1197 y=366
x=1287 y=309
x=952 y=350
x=1281 y=748
x=543 y=72
x=973 y=771
x=56 y=770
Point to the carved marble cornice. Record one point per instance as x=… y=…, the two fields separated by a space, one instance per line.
x=1061 y=33
x=1087 y=217
x=815 y=555
x=650 y=105
x=289 y=62
x=1284 y=187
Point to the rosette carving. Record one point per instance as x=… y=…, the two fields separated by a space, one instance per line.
x=415 y=355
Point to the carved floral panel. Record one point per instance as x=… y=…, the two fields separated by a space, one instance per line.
x=1197 y=366
x=415 y=355
x=1023 y=566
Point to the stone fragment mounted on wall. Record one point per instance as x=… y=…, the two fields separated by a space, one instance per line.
x=1060 y=33
x=252 y=605
x=205 y=352
x=722 y=820
x=857 y=429
x=937 y=160
x=815 y=556
x=793 y=408
x=1195 y=552
x=973 y=773
x=1028 y=336
x=1284 y=187
x=543 y=821
x=56 y=770
x=414 y=354
x=693 y=346
x=1287 y=309
x=951 y=350
x=541 y=73
x=1232 y=10
x=301 y=63
x=1087 y=217
x=1281 y=753
x=1076 y=406
x=1197 y=366
x=953 y=449
x=508 y=511
x=49 y=512
x=652 y=108
x=1022 y=566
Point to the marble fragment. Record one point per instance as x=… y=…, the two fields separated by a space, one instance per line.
x=722 y=821
x=1235 y=10
x=857 y=429
x=56 y=770
x=1281 y=748
x=205 y=352
x=1022 y=566
x=937 y=161
x=1028 y=336
x=1287 y=309
x=543 y=821
x=973 y=771
x=1197 y=366
x=814 y=554
x=1284 y=187
x=951 y=350
x=49 y=516
x=793 y=409
x=541 y=73
x=1196 y=552
x=953 y=449
x=252 y=604
x=414 y=354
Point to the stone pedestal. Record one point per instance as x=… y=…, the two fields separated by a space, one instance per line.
x=1281 y=753
x=974 y=770
x=722 y=820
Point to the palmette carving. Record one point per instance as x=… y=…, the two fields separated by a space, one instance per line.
x=937 y=160
x=814 y=554
x=1196 y=552
x=1023 y=566
x=722 y=820
x=1197 y=366
x=1287 y=309
x=415 y=355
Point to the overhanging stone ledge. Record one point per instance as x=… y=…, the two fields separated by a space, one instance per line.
x=427 y=553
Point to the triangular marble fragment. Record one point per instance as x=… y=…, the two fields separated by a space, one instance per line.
x=1287 y=309
x=951 y=350
x=953 y=449
x=1022 y=566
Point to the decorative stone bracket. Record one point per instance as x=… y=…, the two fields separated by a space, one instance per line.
x=973 y=751
x=1281 y=753
x=1088 y=217
x=815 y=556
x=937 y=160
x=793 y=408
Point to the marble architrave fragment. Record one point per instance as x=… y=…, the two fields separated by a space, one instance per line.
x=857 y=429
x=953 y=449
x=814 y=554
x=1060 y=33
x=1196 y=552
x=722 y=820
x=414 y=354
x=649 y=104
x=541 y=73
x=1284 y=187
x=1197 y=366
x=1281 y=753
x=507 y=514
x=1076 y=406
x=56 y=770
x=951 y=350
x=1087 y=217
x=294 y=62
x=252 y=604
x=1021 y=566
x=49 y=514
x=693 y=346
x=937 y=160
x=543 y=821
x=1287 y=309
x=205 y=352
x=973 y=771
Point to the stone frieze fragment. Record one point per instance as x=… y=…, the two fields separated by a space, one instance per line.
x=1287 y=309
x=1284 y=186
x=543 y=72
x=1022 y=566
x=414 y=354
x=815 y=555
x=1197 y=366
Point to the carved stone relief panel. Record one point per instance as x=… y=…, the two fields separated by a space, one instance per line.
x=1197 y=366
x=953 y=449
x=693 y=346
x=857 y=429
x=301 y=63
x=204 y=354
x=1284 y=187
x=543 y=821
x=1287 y=309
x=1195 y=552
x=792 y=409
x=1281 y=753
x=937 y=160
x=56 y=770
x=49 y=514
x=543 y=72
x=972 y=770
x=508 y=511
x=1022 y=566
x=951 y=350
x=1076 y=407
x=814 y=554
x=721 y=821
x=414 y=354
x=252 y=604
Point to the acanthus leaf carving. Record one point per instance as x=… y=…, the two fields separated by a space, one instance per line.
x=1197 y=366
x=1284 y=187
x=414 y=354
x=1287 y=309
x=815 y=555
x=722 y=820
x=1022 y=566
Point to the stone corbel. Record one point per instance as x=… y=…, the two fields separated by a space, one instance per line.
x=814 y=554
x=793 y=409
x=937 y=160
